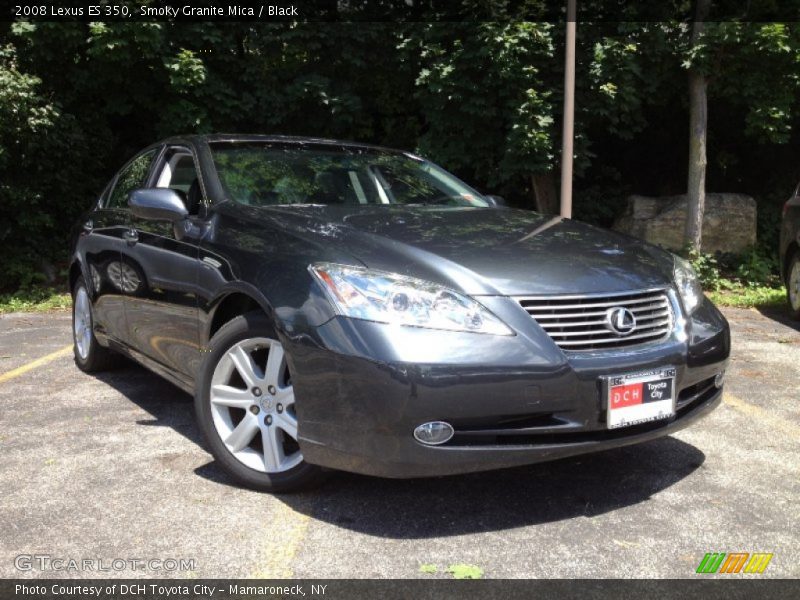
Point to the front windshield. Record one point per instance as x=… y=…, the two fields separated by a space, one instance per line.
x=285 y=174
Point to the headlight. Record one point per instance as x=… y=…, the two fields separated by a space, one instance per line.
x=688 y=285
x=390 y=298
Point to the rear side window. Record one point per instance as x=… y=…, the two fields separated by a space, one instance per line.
x=130 y=178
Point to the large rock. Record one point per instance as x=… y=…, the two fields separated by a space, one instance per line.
x=729 y=223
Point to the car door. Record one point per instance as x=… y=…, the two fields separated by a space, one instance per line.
x=162 y=314
x=103 y=244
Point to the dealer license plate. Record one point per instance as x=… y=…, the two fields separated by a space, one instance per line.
x=640 y=397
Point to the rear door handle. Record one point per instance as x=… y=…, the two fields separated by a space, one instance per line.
x=131 y=236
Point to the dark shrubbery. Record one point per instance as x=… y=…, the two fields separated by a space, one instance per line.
x=481 y=98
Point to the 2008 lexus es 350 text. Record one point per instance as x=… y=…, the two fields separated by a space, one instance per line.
x=333 y=305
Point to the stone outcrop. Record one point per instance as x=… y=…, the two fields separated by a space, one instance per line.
x=729 y=223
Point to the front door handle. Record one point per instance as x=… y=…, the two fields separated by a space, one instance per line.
x=131 y=236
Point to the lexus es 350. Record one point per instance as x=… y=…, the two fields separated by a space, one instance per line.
x=334 y=305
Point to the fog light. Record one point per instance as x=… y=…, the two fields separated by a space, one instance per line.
x=719 y=379
x=434 y=433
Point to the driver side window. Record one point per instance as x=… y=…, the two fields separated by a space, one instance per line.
x=179 y=173
x=131 y=177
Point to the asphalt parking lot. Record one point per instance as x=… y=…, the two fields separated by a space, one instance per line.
x=111 y=466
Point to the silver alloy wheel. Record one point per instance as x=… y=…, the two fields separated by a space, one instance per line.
x=82 y=322
x=794 y=285
x=123 y=276
x=252 y=406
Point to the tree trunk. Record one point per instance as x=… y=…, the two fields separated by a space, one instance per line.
x=544 y=193
x=698 y=127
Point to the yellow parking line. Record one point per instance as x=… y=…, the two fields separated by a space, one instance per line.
x=287 y=529
x=9 y=375
x=762 y=415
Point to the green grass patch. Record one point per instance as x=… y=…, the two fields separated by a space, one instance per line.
x=742 y=296
x=428 y=569
x=34 y=300
x=465 y=571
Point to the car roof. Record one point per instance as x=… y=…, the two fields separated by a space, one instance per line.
x=272 y=139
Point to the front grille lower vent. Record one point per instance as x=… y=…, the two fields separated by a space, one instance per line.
x=579 y=323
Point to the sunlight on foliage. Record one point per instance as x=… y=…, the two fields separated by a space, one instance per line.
x=34 y=301
x=482 y=97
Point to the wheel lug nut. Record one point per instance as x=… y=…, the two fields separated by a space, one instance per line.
x=268 y=420
x=257 y=392
x=255 y=410
x=280 y=408
x=271 y=389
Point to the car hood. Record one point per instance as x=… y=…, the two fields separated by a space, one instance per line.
x=483 y=251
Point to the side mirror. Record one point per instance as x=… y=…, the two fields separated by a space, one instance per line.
x=157 y=204
x=496 y=201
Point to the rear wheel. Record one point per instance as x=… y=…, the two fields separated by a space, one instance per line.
x=246 y=408
x=90 y=356
x=793 y=285
x=125 y=276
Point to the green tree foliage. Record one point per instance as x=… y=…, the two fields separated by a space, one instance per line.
x=40 y=152
x=471 y=75
x=753 y=67
x=483 y=98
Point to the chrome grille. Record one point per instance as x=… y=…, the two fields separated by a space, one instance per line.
x=578 y=323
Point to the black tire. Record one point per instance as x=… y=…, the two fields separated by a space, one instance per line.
x=299 y=477
x=793 y=263
x=97 y=358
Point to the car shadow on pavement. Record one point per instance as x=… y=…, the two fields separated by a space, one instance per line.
x=573 y=487
x=587 y=485
x=779 y=315
x=168 y=405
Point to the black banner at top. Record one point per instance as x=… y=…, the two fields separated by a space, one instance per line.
x=265 y=11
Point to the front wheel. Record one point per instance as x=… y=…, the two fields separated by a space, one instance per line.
x=245 y=408
x=793 y=285
x=90 y=356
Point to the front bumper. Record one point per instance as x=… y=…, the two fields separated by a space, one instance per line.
x=362 y=388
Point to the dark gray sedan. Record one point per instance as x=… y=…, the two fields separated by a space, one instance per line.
x=335 y=305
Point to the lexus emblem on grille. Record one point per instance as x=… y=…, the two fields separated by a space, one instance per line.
x=620 y=320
